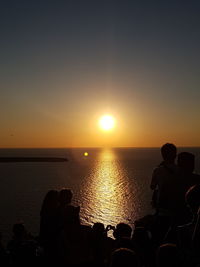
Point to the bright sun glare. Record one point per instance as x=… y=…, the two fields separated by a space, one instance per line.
x=107 y=122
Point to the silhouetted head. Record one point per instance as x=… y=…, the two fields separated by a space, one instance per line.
x=141 y=236
x=19 y=230
x=168 y=255
x=192 y=198
x=50 y=202
x=124 y=257
x=168 y=152
x=98 y=229
x=122 y=230
x=186 y=161
x=65 y=196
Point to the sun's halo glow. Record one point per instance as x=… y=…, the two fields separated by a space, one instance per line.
x=107 y=122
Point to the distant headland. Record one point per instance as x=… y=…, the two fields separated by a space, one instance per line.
x=32 y=159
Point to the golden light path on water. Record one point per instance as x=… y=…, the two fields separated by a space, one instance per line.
x=108 y=196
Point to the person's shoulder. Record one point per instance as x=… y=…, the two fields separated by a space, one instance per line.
x=71 y=207
x=159 y=169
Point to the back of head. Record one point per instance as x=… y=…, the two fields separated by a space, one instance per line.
x=50 y=202
x=141 y=236
x=168 y=152
x=186 y=161
x=192 y=198
x=168 y=255
x=124 y=257
x=122 y=230
x=65 y=196
x=98 y=229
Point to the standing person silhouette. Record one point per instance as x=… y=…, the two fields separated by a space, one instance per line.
x=163 y=178
x=187 y=179
x=163 y=183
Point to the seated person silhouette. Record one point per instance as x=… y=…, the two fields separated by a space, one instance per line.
x=101 y=244
x=49 y=225
x=68 y=214
x=49 y=217
x=187 y=236
x=74 y=242
x=168 y=255
x=122 y=235
x=22 y=247
x=124 y=257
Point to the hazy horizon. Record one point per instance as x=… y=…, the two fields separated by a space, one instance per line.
x=97 y=147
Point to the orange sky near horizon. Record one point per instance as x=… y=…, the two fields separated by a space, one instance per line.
x=64 y=64
x=85 y=132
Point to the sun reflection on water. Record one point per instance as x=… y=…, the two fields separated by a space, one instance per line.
x=108 y=194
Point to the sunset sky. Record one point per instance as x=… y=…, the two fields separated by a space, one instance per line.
x=64 y=64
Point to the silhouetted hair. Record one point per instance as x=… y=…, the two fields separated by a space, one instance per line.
x=65 y=196
x=168 y=151
x=186 y=161
x=168 y=255
x=192 y=198
x=122 y=230
x=98 y=228
x=124 y=257
x=141 y=235
x=50 y=202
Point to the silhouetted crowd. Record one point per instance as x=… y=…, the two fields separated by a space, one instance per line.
x=169 y=237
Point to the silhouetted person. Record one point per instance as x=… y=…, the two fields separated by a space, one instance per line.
x=124 y=257
x=122 y=235
x=99 y=243
x=75 y=241
x=49 y=225
x=186 y=237
x=186 y=179
x=68 y=214
x=143 y=247
x=22 y=249
x=186 y=164
x=163 y=180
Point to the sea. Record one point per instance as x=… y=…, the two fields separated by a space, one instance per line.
x=109 y=185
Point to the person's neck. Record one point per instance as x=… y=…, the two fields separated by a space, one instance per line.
x=169 y=162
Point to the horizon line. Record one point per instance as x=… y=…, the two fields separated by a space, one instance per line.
x=91 y=147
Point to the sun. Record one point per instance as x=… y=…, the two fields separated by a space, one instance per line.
x=107 y=122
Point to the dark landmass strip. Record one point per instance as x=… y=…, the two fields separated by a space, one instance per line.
x=32 y=159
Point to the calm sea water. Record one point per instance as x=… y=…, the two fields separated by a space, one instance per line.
x=110 y=185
